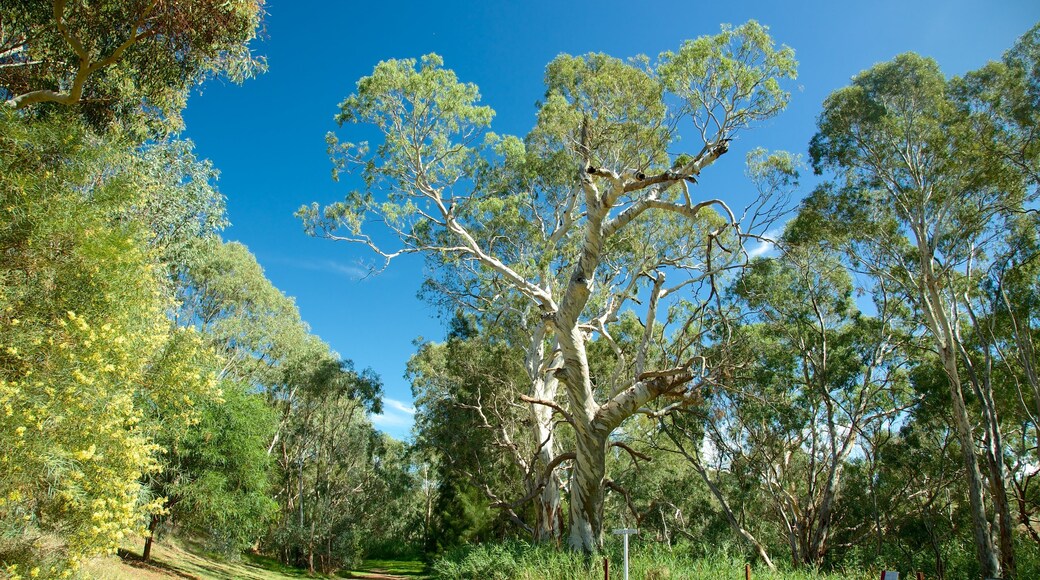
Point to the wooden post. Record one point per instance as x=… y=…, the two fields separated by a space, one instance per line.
x=920 y=576
x=606 y=569
x=747 y=571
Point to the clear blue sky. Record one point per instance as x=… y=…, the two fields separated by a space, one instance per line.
x=267 y=136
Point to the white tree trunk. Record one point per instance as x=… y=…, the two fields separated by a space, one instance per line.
x=587 y=490
x=942 y=330
x=548 y=524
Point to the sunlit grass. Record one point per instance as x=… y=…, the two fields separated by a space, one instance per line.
x=412 y=568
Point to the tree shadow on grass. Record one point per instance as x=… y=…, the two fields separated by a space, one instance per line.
x=134 y=560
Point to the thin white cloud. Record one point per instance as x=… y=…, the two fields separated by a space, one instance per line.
x=766 y=244
x=392 y=421
x=762 y=248
x=353 y=271
x=399 y=406
x=396 y=419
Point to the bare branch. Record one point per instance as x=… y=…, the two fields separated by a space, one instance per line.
x=567 y=416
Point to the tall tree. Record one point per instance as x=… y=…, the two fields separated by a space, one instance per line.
x=927 y=200
x=803 y=376
x=608 y=126
x=471 y=383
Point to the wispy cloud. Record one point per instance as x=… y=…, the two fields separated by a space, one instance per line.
x=396 y=419
x=399 y=406
x=763 y=247
x=352 y=271
x=766 y=244
x=392 y=421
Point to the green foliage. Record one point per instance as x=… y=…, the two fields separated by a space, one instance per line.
x=179 y=202
x=128 y=63
x=467 y=385
x=215 y=476
x=735 y=75
x=86 y=344
x=521 y=561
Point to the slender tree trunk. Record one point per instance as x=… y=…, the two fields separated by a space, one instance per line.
x=980 y=524
x=1005 y=524
x=980 y=376
x=548 y=513
x=544 y=385
x=938 y=321
x=731 y=517
x=824 y=514
x=153 y=524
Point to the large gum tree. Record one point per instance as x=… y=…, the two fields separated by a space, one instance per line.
x=588 y=215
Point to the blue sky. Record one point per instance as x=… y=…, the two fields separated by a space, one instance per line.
x=267 y=136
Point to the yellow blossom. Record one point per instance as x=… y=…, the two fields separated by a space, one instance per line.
x=87 y=453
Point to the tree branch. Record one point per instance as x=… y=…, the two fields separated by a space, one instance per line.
x=551 y=405
x=86 y=67
x=635 y=454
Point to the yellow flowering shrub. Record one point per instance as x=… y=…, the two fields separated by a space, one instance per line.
x=90 y=366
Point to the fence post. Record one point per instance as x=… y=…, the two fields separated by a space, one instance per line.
x=920 y=576
x=747 y=571
x=606 y=569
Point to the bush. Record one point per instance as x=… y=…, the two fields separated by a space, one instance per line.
x=522 y=561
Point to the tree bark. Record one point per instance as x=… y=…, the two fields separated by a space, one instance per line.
x=544 y=385
x=153 y=524
x=587 y=491
x=942 y=330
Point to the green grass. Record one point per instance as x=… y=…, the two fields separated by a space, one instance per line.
x=411 y=569
x=180 y=560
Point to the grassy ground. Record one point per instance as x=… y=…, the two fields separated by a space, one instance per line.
x=389 y=569
x=174 y=560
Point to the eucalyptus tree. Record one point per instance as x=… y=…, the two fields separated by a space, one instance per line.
x=915 y=176
x=128 y=61
x=1002 y=101
x=472 y=383
x=802 y=375
x=222 y=291
x=326 y=460
x=605 y=129
x=1006 y=317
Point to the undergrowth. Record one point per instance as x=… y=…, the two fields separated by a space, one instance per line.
x=523 y=561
